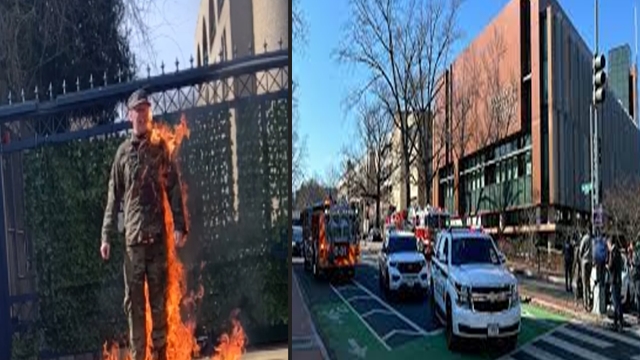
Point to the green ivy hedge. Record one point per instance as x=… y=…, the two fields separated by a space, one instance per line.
x=80 y=296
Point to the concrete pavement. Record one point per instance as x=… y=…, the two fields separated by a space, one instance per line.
x=305 y=342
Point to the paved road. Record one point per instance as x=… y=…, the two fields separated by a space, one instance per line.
x=579 y=341
x=356 y=321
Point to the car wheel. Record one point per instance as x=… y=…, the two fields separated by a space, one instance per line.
x=452 y=339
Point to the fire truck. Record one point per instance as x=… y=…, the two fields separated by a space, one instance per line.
x=428 y=222
x=330 y=245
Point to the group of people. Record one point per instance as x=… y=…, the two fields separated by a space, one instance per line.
x=607 y=257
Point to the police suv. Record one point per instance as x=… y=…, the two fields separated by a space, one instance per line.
x=473 y=292
x=401 y=265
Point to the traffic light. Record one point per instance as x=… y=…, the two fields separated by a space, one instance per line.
x=599 y=79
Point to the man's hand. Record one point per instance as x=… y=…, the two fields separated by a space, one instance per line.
x=177 y=238
x=105 y=249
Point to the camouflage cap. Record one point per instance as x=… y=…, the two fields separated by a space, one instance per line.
x=138 y=97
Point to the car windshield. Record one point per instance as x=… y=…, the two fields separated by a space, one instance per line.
x=402 y=243
x=474 y=250
x=339 y=227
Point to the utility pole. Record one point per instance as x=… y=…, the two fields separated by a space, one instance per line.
x=598 y=97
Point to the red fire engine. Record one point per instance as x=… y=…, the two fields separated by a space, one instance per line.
x=428 y=222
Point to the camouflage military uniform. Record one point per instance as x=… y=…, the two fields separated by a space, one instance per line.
x=140 y=171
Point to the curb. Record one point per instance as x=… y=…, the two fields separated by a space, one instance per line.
x=559 y=309
x=316 y=336
x=558 y=280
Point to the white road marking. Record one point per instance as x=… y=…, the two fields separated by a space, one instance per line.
x=573 y=348
x=538 y=353
x=612 y=335
x=361 y=319
x=584 y=337
x=358 y=297
x=401 y=332
x=377 y=311
x=394 y=311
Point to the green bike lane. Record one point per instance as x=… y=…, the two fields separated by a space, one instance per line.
x=380 y=331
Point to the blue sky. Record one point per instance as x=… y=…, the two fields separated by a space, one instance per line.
x=323 y=83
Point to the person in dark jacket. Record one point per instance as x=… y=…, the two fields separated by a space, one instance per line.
x=568 y=264
x=614 y=265
x=635 y=274
x=142 y=171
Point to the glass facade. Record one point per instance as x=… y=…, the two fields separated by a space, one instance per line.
x=497 y=178
x=619 y=66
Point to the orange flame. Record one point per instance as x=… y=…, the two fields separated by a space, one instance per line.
x=181 y=342
x=231 y=346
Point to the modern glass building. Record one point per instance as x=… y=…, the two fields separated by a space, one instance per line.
x=620 y=80
x=541 y=157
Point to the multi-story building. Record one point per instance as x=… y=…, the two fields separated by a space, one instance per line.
x=622 y=78
x=233 y=29
x=525 y=144
x=230 y=29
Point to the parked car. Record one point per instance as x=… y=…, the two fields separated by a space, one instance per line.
x=402 y=266
x=474 y=294
x=296 y=240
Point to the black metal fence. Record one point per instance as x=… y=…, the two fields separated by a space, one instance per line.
x=56 y=296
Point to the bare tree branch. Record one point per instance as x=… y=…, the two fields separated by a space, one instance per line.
x=404 y=46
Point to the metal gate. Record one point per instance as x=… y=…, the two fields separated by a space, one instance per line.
x=236 y=167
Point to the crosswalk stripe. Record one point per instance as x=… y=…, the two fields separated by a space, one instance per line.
x=573 y=348
x=611 y=335
x=538 y=353
x=584 y=337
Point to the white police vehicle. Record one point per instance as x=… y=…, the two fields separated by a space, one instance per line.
x=401 y=265
x=473 y=292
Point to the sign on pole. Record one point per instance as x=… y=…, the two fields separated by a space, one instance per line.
x=586 y=188
x=598 y=216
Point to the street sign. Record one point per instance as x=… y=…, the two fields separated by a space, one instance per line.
x=586 y=188
x=598 y=212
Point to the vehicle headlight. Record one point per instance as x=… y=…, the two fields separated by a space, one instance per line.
x=464 y=295
x=393 y=263
x=515 y=296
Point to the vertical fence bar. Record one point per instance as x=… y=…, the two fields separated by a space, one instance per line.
x=6 y=330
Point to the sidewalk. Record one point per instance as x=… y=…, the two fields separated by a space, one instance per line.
x=305 y=342
x=548 y=291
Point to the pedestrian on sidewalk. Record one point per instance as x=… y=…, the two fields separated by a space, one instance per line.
x=615 y=272
x=585 y=268
x=601 y=256
x=635 y=274
x=568 y=264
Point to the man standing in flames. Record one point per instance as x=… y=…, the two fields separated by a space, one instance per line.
x=142 y=170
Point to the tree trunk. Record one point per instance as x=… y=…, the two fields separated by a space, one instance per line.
x=407 y=181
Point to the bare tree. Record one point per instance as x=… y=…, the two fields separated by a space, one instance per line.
x=373 y=156
x=404 y=46
x=299 y=29
x=622 y=207
x=299 y=143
